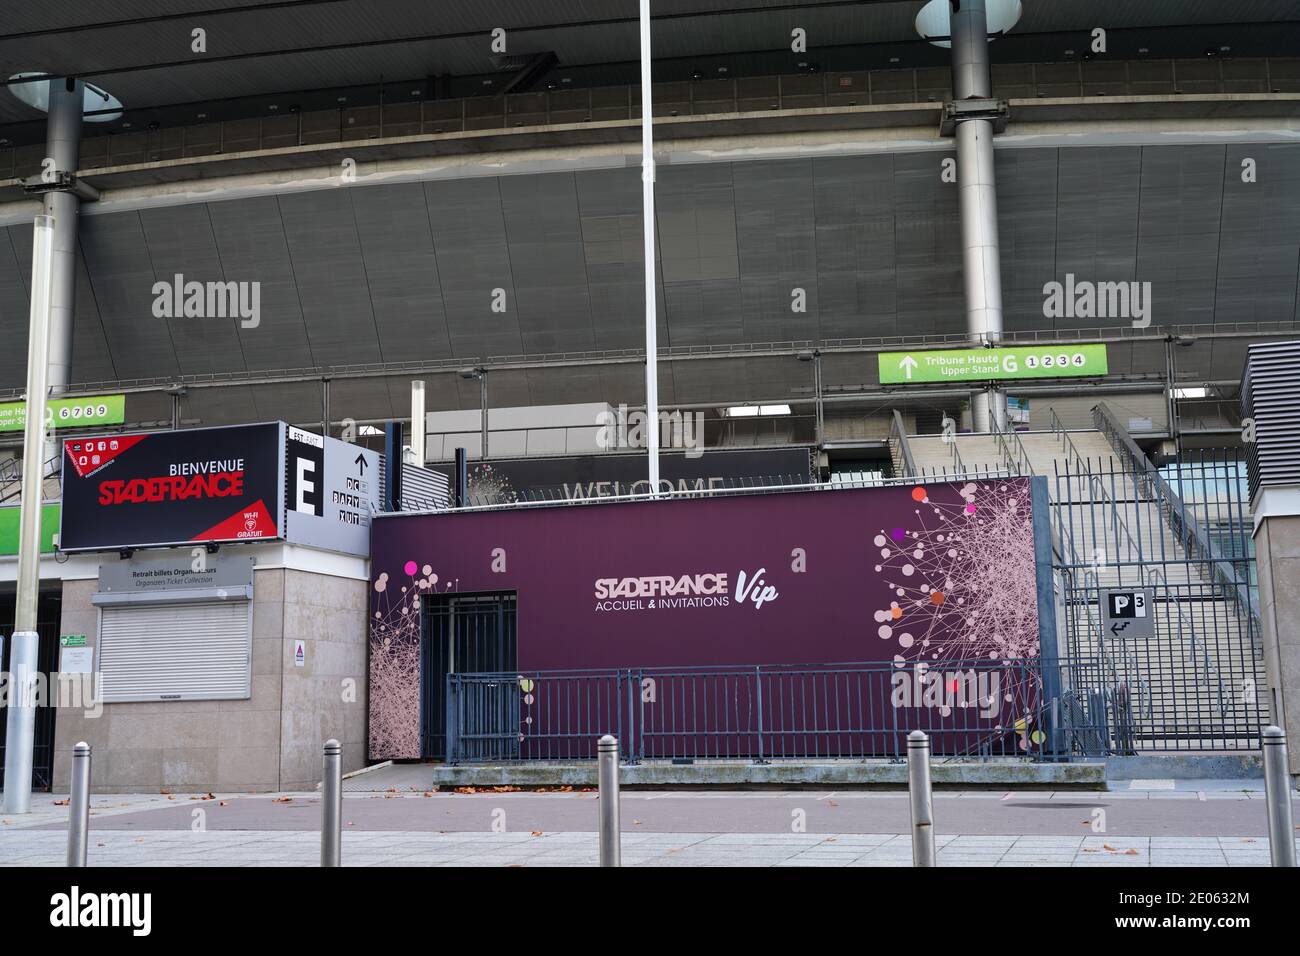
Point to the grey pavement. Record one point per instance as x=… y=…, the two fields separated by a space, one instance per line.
x=1143 y=823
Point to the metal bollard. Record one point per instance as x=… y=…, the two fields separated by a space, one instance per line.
x=1277 y=793
x=918 y=789
x=331 y=805
x=607 y=778
x=79 y=805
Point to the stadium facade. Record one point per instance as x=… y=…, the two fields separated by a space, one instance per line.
x=289 y=212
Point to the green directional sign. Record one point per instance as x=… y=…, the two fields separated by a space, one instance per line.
x=93 y=410
x=9 y=515
x=985 y=365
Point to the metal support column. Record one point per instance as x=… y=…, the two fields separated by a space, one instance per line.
x=819 y=391
x=977 y=189
x=176 y=394
x=63 y=146
x=483 y=407
x=417 y=423
x=325 y=407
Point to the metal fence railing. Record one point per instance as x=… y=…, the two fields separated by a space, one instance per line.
x=1177 y=516
x=1197 y=683
x=1019 y=709
x=487 y=494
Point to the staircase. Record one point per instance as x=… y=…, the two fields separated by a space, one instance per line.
x=1191 y=685
x=11 y=481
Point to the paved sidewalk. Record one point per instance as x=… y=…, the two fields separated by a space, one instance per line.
x=1148 y=823
x=37 y=847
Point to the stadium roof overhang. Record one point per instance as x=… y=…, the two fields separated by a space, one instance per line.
x=146 y=52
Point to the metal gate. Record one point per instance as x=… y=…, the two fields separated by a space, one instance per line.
x=1183 y=531
x=47 y=663
x=462 y=633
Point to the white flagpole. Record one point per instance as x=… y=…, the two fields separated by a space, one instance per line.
x=648 y=217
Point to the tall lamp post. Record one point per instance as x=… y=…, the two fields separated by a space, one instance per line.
x=21 y=728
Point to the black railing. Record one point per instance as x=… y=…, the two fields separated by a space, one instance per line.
x=970 y=709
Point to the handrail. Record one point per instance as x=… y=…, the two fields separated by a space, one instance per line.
x=1188 y=530
x=898 y=433
x=1058 y=427
x=959 y=467
x=1013 y=450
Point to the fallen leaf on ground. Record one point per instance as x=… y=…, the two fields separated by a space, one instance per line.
x=1130 y=852
x=282 y=799
x=61 y=803
x=537 y=833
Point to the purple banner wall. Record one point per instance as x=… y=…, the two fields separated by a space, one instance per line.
x=909 y=574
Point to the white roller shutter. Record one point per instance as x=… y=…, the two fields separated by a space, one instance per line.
x=199 y=651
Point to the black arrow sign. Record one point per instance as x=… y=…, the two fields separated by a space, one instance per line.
x=361 y=463
x=1117 y=627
